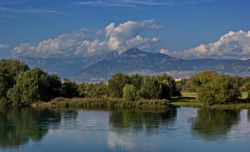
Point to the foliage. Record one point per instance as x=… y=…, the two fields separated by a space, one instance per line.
x=129 y=92
x=202 y=78
x=248 y=90
x=69 y=89
x=151 y=88
x=93 y=90
x=34 y=85
x=9 y=71
x=29 y=87
x=137 y=81
x=116 y=84
x=169 y=84
x=54 y=86
x=101 y=103
x=220 y=89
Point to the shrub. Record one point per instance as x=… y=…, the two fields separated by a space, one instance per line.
x=34 y=85
x=129 y=92
x=9 y=71
x=116 y=84
x=69 y=89
x=220 y=89
x=151 y=88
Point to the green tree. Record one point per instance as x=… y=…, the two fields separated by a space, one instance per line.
x=220 y=89
x=54 y=86
x=137 y=81
x=93 y=90
x=9 y=71
x=69 y=89
x=32 y=86
x=169 y=85
x=129 y=92
x=195 y=82
x=116 y=84
x=151 y=88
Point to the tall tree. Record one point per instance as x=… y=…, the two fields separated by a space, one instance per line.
x=69 y=89
x=9 y=71
x=116 y=84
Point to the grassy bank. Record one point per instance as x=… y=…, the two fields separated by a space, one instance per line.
x=101 y=103
x=188 y=99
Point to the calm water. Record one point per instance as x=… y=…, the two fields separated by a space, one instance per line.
x=176 y=129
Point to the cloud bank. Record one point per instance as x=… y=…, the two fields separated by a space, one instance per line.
x=232 y=45
x=78 y=43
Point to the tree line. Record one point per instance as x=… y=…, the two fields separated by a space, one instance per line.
x=132 y=87
x=21 y=85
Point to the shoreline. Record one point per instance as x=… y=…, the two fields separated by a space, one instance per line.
x=116 y=103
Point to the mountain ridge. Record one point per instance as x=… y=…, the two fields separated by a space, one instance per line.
x=134 y=60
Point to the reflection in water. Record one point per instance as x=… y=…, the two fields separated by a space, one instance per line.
x=212 y=124
x=125 y=124
x=140 y=121
x=18 y=126
x=124 y=130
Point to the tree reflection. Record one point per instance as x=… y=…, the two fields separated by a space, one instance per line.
x=212 y=124
x=142 y=121
x=18 y=126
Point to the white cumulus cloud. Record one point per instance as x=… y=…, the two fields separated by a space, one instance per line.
x=232 y=45
x=116 y=38
x=63 y=45
x=126 y=35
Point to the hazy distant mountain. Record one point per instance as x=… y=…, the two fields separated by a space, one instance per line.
x=100 y=68
x=137 y=61
x=65 y=67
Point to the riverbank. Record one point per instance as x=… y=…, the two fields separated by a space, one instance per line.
x=101 y=103
x=188 y=99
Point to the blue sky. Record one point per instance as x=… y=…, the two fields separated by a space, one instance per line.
x=185 y=24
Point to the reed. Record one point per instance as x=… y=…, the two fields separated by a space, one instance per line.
x=100 y=103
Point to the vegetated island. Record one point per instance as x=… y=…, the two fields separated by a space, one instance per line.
x=22 y=86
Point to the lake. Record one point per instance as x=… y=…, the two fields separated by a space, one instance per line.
x=173 y=129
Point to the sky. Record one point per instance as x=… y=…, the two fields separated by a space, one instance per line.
x=79 y=28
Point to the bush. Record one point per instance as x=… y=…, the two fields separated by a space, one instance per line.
x=151 y=89
x=219 y=90
x=129 y=92
x=34 y=85
x=9 y=71
x=116 y=84
x=69 y=89
x=93 y=90
x=30 y=87
x=169 y=85
x=195 y=82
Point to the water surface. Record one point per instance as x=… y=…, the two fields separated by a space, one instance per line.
x=174 y=129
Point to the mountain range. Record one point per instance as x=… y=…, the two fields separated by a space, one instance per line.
x=134 y=60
